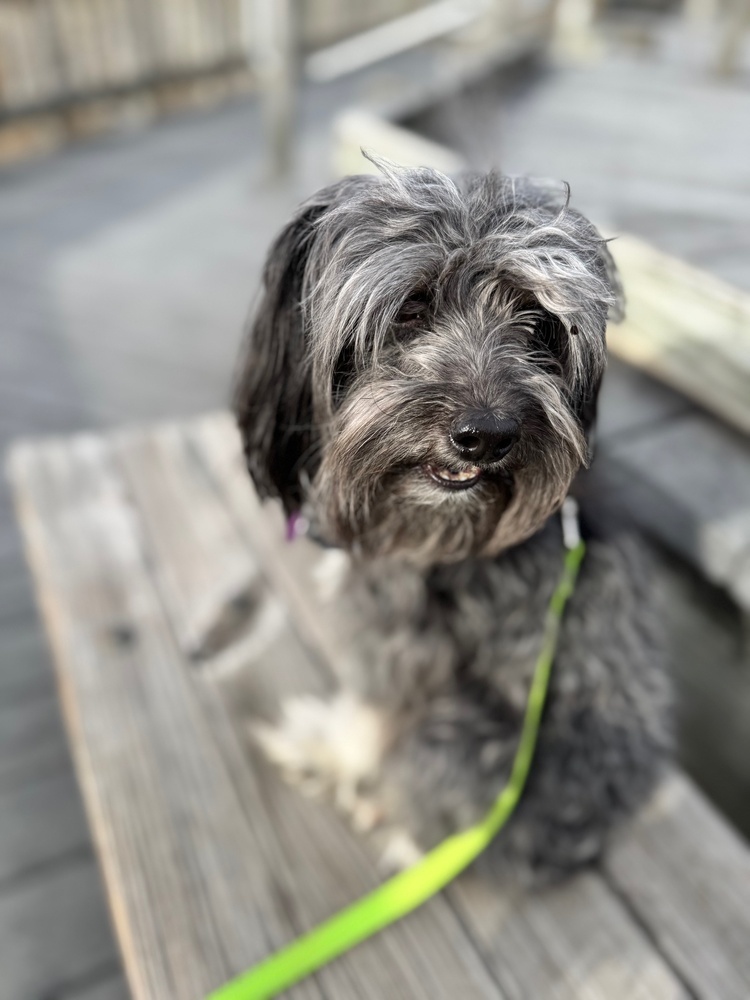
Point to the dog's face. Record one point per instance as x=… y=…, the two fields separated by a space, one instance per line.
x=422 y=372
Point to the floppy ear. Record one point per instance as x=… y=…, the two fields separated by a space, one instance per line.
x=587 y=403
x=273 y=393
x=594 y=296
x=273 y=397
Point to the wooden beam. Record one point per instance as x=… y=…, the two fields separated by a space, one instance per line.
x=685 y=327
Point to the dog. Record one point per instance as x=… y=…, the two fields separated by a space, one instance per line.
x=420 y=382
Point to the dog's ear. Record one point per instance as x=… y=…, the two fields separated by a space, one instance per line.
x=583 y=293
x=273 y=400
x=273 y=394
x=587 y=402
x=577 y=334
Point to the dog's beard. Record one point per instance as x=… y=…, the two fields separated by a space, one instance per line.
x=378 y=487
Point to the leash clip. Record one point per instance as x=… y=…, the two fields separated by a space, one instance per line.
x=571 y=528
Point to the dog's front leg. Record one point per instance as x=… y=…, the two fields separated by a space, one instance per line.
x=445 y=768
x=330 y=746
x=410 y=778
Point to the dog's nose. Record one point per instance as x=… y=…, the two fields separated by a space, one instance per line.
x=480 y=436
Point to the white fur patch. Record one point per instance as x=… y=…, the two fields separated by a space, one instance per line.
x=326 y=746
x=401 y=852
x=330 y=572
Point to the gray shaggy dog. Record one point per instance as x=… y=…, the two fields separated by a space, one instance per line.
x=421 y=381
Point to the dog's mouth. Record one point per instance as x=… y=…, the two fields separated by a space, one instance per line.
x=454 y=479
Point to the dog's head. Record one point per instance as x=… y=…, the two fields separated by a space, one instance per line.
x=423 y=368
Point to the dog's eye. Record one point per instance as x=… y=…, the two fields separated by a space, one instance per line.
x=550 y=338
x=413 y=309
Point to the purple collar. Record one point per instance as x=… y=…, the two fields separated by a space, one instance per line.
x=296 y=526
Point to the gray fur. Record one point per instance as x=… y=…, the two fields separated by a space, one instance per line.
x=344 y=404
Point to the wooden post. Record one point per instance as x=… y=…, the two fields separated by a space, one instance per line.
x=269 y=34
x=732 y=35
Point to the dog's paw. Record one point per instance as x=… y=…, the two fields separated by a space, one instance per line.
x=295 y=747
x=328 y=747
x=400 y=852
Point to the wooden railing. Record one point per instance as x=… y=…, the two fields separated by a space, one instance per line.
x=53 y=52
x=78 y=66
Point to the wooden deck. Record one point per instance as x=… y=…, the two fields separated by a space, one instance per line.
x=72 y=358
x=125 y=271
x=206 y=863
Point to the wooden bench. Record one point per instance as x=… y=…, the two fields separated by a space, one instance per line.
x=175 y=612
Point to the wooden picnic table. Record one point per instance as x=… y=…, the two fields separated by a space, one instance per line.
x=176 y=612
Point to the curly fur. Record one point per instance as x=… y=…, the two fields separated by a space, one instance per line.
x=392 y=305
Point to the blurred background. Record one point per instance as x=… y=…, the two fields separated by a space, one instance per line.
x=151 y=148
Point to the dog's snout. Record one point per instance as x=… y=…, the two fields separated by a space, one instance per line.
x=481 y=436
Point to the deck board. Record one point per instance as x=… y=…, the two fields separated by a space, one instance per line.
x=111 y=987
x=681 y=862
x=176 y=895
x=28 y=841
x=516 y=935
x=62 y=908
x=26 y=672
x=194 y=869
x=200 y=842
x=30 y=732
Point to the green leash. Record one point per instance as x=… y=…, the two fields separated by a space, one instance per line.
x=405 y=892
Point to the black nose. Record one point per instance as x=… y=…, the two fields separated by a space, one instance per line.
x=480 y=436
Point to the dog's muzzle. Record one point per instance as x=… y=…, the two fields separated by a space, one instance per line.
x=479 y=440
x=454 y=479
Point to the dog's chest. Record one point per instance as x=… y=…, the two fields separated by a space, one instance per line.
x=413 y=633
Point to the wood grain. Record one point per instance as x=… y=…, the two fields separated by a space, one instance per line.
x=686 y=327
x=40 y=823
x=428 y=955
x=58 y=911
x=208 y=578
x=577 y=941
x=568 y=942
x=191 y=904
x=204 y=859
x=289 y=568
x=686 y=875
x=211 y=861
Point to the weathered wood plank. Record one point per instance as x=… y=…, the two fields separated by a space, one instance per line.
x=190 y=904
x=25 y=669
x=218 y=823
x=200 y=854
x=112 y=988
x=427 y=956
x=42 y=922
x=632 y=402
x=686 y=875
x=16 y=595
x=700 y=471
x=290 y=568
x=40 y=821
x=207 y=577
x=33 y=765
x=570 y=942
x=686 y=327
x=30 y=732
x=712 y=686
